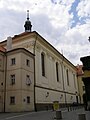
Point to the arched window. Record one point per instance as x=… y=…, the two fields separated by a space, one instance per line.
x=43 y=63
x=67 y=74
x=57 y=72
x=74 y=80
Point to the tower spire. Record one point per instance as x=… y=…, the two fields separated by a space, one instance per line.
x=28 y=25
x=27 y=14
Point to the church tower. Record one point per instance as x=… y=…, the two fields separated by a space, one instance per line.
x=28 y=25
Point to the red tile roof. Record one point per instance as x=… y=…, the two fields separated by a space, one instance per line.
x=2 y=49
x=79 y=70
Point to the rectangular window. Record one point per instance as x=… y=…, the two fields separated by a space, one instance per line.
x=67 y=77
x=28 y=99
x=12 y=100
x=27 y=63
x=12 y=79
x=13 y=61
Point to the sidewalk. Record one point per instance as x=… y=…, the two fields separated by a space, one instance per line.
x=73 y=115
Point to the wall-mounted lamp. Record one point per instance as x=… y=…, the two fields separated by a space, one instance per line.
x=71 y=97
x=61 y=96
x=47 y=94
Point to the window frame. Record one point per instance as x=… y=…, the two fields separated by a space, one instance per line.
x=13 y=61
x=67 y=76
x=12 y=78
x=43 y=63
x=28 y=99
x=57 y=71
x=28 y=62
x=74 y=80
x=12 y=100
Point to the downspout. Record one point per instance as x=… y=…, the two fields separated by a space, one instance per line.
x=78 y=89
x=5 y=82
x=34 y=75
x=63 y=81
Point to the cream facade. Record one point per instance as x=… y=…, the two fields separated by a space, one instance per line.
x=55 y=76
x=81 y=86
x=18 y=81
x=2 y=77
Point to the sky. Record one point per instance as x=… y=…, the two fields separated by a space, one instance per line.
x=63 y=23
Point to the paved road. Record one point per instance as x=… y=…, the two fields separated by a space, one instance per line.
x=44 y=115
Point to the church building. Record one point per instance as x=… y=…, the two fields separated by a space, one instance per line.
x=33 y=74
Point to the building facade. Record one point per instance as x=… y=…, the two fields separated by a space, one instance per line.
x=86 y=79
x=81 y=86
x=55 y=78
x=2 y=77
x=16 y=80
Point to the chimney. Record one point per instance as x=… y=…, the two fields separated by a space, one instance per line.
x=9 y=43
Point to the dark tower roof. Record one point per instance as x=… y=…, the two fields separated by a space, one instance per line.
x=28 y=25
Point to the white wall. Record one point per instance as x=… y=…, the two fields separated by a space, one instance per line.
x=50 y=80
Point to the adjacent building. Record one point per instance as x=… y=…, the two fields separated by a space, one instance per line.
x=86 y=78
x=81 y=86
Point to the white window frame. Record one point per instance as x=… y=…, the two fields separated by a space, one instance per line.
x=13 y=61
x=12 y=77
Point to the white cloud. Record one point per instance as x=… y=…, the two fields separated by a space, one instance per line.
x=84 y=8
x=51 y=18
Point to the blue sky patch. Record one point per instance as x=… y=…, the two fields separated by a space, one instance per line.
x=74 y=12
x=56 y=1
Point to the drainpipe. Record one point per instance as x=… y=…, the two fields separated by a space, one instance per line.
x=34 y=75
x=79 y=90
x=63 y=80
x=5 y=82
